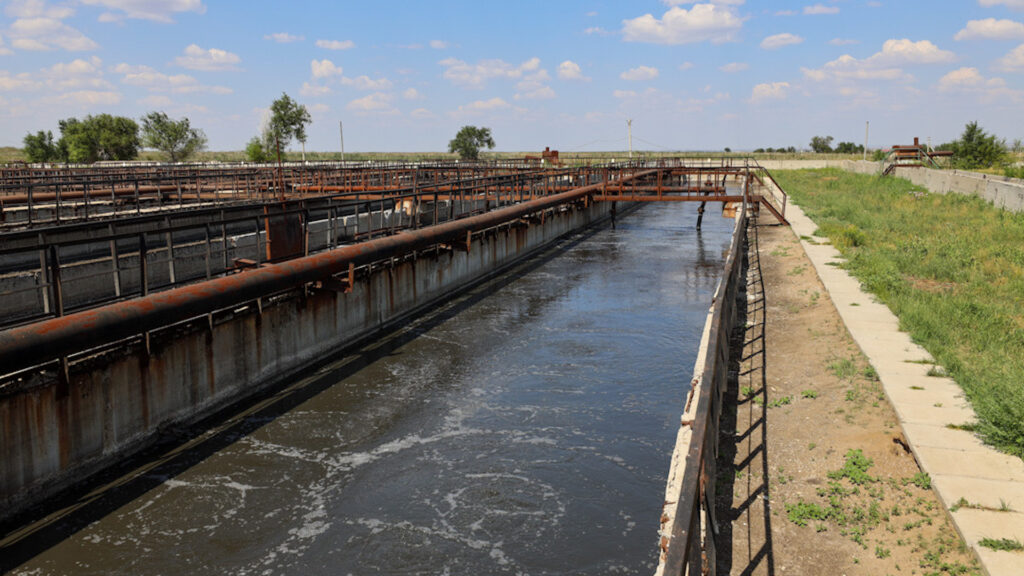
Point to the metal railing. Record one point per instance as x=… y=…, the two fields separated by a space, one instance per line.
x=689 y=525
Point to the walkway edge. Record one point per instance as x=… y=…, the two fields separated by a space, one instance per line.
x=960 y=466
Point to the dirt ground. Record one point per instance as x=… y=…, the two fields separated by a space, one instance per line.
x=794 y=496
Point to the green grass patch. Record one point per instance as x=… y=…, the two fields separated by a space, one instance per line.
x=940 y=263
x=855 y=468
x=1004 y=544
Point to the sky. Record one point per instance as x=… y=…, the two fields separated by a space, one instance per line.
x=405 y=75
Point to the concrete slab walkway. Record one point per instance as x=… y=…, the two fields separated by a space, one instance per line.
x=960 y=466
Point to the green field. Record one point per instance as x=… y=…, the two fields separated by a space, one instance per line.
x=951 y=267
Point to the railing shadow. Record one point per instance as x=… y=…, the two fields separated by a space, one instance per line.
x=744 y=541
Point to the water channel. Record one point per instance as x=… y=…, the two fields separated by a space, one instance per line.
x=523 y=428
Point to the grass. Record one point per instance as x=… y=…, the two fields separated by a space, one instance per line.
x=940 y=263
x=1004 y=544
x=883 y=512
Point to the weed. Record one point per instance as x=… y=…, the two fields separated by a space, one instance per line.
x=922 y=480
x=811 y=445
x=759 y=400
x=881 y=552
x=747 y=391
x=917 y=387
x=869 y=373
x=796 y=271
x=801 y=512
x=843 y=368
x=851 y=395
x=1004 y=544
x=968 y=427
x=937 y=372
x=855 y=468
x=784 y=400
x=809 y=394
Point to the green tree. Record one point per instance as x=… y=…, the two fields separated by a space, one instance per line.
x=849 y=148
x=821 y=144
x=976 y=149
x=288 y=120
x=102 y=137
x=175 y=138
x=40 y=147
x=255 y=151
x=469 y=140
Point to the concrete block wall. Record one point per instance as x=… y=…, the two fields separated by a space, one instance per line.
x=53 y=436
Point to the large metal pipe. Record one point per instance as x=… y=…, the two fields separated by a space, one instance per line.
x=29 y=345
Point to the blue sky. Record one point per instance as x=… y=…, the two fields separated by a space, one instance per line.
x=404 y=76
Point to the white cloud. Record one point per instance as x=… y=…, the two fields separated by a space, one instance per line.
x=367 y=83
x=376 y=103
x=733 y=67
x=18 y=83
x=314 y=90
x=780 y=40
x=539 y=93
x=412 y=94
x=722 y=2
x=906 y=51
x=786 y=13
x=640 y=73
x=154 y=81
x=158 y=10
x=4 y=50
x=480 y=106
x=884 y=65
x=88 y=98
x=476 y=75
x=570 y=70
x=991 y=29
x=75 y=75
x=703 y=22
x=1014 y=4
x=39 y=27
x=843 y=41
x=212 y=60
x=156 y=101
x=324 y=68
x=1012 y=62
x=438 y=44
x=686 y=65
x=970 y=81
x=422 y=114
x=596 y=31
x=821 y=9
x=283 y=37
x=769 y=91
x=335 y=44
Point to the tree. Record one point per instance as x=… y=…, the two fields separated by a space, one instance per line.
x=175 y=138
x=40 y=147
x=102 y=137
x=288 y=120
x=849 y=148
x=976 y=149
x=821 y=144
x=255 y=151
x=469 y=140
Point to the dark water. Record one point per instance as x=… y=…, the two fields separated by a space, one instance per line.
x=526 y=428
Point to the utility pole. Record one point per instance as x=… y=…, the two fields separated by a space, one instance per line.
x=629 y=129
x=341 y=132
x=867 y=125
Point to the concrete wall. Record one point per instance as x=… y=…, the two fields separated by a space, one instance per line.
x=53 y=436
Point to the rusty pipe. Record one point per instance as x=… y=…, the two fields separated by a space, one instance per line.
x=25 y=346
